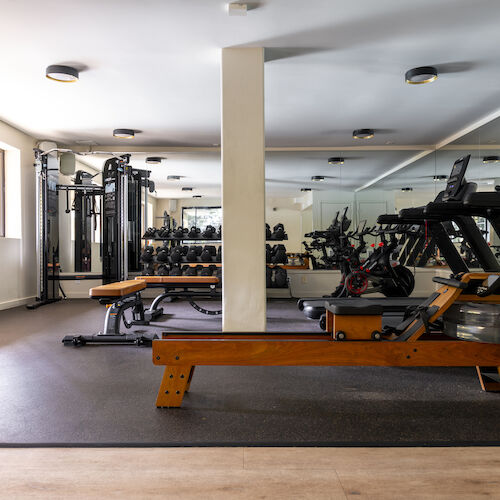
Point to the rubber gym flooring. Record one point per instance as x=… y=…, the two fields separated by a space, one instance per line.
x=105 y=395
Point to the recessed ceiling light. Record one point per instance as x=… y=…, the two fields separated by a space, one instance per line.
x=317 y=178
x=154 y=160
x=336 y=161
x=491 y=159
x=123 y=133
x=65 y=74
x=173 y=177
x=196 y=195
x=424 y=74
x=187 y=189
x=305 y=190
x=437 y=178
x=363 y=133
x=407 y=189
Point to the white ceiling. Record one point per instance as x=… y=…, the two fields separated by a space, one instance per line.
x=332 y=66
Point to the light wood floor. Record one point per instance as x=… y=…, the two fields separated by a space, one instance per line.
x=253 y=473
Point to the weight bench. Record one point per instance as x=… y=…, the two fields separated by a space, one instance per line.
x=358 y=346
x=117 y=297
x=190 y=287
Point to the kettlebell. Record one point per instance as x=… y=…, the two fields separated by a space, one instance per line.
x=176 y=271
x=280 y=277
x=268 y=232
x=162 y=255
x=192 y=255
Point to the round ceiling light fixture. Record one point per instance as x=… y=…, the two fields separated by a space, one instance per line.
x=437 y=178
x=305 y=190
x=317 y=178
x=59 y=73
x=423 y=74
x=491 y=159
x=363 y=133
x=407 y=189
x=187 y=189
x=336 y=160
x=123 y=133
x=154 y=160
x=196 y=195
x=173 y=177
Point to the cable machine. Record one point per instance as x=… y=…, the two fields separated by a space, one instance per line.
x=121 y=221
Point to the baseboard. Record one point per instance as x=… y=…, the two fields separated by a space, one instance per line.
x=9 y=304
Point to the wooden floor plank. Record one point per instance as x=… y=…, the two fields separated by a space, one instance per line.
x=229 y=473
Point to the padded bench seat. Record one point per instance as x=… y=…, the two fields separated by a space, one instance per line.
x=118 y=289
x=354 y=310
x=180 y=280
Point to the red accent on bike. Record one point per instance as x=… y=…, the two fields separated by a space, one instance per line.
x=373 y=245
x=380 y=244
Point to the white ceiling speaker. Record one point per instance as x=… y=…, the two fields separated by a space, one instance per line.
x=67 y=163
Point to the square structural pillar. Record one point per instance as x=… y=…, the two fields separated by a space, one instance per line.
x=243 y=190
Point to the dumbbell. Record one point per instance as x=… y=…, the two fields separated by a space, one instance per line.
x=194 y=232
x=279 y=255
x=278 y=232
x=163 y=232
x=280 y=277
x=269 y=254
x=150 y=232
x=269 y=277
x=176 y=255
x=162 y=254
x=268 y=232
x=219 y=233
x=175 y=271
x=209 y=233
x=219 y=255
x=163 y=270
x=179 y=232
x=190 y=270
x=193 y=253
x=147 y=254
x=207 y=270
x=209 y=251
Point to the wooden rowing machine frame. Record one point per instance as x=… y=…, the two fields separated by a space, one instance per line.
x=181 y=353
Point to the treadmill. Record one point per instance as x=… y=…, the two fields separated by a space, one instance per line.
x=458 y=203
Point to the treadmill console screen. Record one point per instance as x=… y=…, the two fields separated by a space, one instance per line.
x=456 y=178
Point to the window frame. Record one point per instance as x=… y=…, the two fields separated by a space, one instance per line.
x=199 y=208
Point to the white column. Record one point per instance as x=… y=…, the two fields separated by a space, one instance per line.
x=243 y=190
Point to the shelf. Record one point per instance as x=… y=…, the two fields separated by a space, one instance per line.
x=181 y=239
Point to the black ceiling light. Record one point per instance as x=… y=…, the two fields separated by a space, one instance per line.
x=317 y=178
x=407 y=189
x=336 y=160
x=173 y=177
x=154 y=160
x=123 y=133
x=437 y=178
x=305 y=190
x=491 y=159
x=424 y=74
x=187 y=189
x=363 y=133
x=196 y=195
x=59 y=73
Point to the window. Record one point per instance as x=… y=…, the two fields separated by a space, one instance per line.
x=2 y=194
x=201 y=217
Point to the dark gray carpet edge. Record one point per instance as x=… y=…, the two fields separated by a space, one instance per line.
x=322 y=444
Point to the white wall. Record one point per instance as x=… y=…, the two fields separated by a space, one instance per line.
x=17 y=249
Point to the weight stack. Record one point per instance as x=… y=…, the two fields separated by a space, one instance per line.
x=474 y=322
